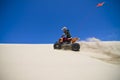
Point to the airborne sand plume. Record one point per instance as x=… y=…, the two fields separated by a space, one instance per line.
x=96 y=60
x=108 y=51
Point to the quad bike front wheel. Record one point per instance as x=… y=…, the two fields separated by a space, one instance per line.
x=57 y=46
x=75 y=47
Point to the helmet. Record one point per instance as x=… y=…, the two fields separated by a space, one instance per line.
x=64 y=28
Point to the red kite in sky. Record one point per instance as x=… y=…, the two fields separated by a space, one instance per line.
x=100 y=4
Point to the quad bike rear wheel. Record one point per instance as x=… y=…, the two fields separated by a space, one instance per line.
x=75 y=47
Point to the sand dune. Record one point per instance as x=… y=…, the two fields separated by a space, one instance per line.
x=96 y=60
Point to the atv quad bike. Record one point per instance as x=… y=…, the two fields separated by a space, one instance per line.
x=67 y=44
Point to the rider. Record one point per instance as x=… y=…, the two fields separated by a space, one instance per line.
x=66 y=37
x=66 y=32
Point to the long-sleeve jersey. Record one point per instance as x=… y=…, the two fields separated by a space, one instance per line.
x=67 y=33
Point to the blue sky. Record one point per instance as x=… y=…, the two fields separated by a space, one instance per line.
x=40 y=21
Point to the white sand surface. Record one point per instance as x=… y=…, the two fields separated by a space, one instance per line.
x=94 y=61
